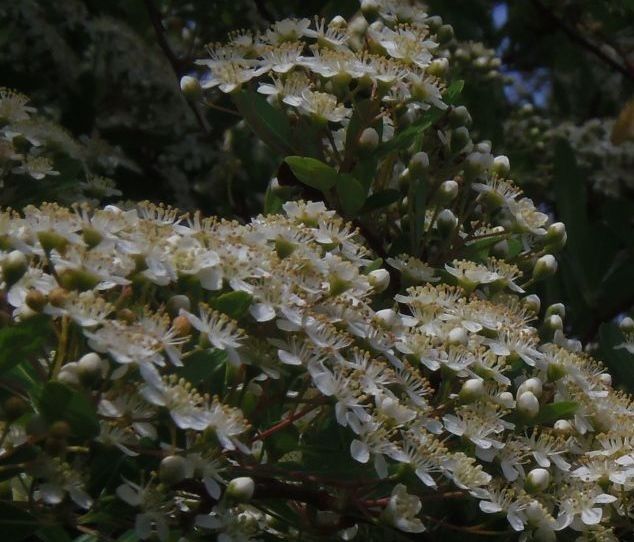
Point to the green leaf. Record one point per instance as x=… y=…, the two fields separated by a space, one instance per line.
x=404 y=139
x=15 y=523
x=200 y=367
x=269 y=124
x=60 y=402
x=381 y=199
x=312 y=172
x=233 y=304
x=18 y=343
x=272 y=203
x=555 y=411
x=53 y=534
x=453 y=91
x=351 y=194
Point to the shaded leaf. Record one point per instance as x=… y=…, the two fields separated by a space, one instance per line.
x=351 y=194
x=233 y=304
x=312 y=172
x=60 y=402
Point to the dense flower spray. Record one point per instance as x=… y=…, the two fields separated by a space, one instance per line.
x=304 y=374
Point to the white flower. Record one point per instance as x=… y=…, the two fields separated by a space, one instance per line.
x=402 y=509
x=323 y=107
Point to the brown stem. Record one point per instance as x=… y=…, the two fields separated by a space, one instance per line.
x=285 y=422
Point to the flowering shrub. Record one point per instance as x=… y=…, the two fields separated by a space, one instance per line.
x=170 y=376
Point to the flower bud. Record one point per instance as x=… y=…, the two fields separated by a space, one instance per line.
x=14 y=407
x=562 y=428
x=472 y=390
x=419 y=163
x=537 y=480
x=89 y=368
x=501 y=166
x=379 y=279
x=434 y=22
x=501 y=250
x=532 y=384
x=447 y=192
x=532 y=303
x=446 y=222
x=69 y=374
x=528 y=404
x=173 y=469
x=190 y=86
x=445 y=34
x=460 y=139
x=60 y=429
x=241 y=489
x=458 y=336
x=368 y=140
x=14 y=266
x=556 y=236
x=553 y=323
x=556 y=308
x=35 y=300
x=387 y=317
x=358 y=26
x=77 y=279
x=459 y=116
x=626 y=325
x=545 y=267
x=176 y=303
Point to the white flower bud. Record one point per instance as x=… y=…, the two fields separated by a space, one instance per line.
x=626 y=325
x=387 y=317
x=173 y=469
x=606 y=379
x=545 y=267
x=554 y=323
x=176 y=303
x=532 y=303
x=419 y=163
x=379 y=279
x=460 y=139
x=485 y=148
x=471 y=390
x=368 y=140
x=459 y=116
x=447 y=192
x=14 y=266
x=556 y=236
x=531 y=384
x=501 y=166
x=556 y=308
x=537 y=480
x=528 y=404
x=338 y=22
x=370 y=7
x=562 y=428
x=89 y=368
x=446 y=222
x=69 y=374
x=190 y=86
x=241 y=489
x=445 y=33
x=458 y=336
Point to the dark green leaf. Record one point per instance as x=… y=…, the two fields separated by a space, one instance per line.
x=270 y=124
x=453 y=91
x=312 y=172
x=381 y=199
x=234 y=304
x=60 y=402
x=351 y=194
x=556 y=411
x=18 y=343
x=15 y=523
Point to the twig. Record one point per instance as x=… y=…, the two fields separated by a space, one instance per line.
x=175 y=62
x=581 y=40
x=285 y=422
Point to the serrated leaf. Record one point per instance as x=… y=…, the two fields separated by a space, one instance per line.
x=61 y=402
x=313 y=172
x=351 y=194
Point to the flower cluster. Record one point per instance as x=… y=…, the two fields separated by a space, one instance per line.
x=186 y=347
x=32 y=148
